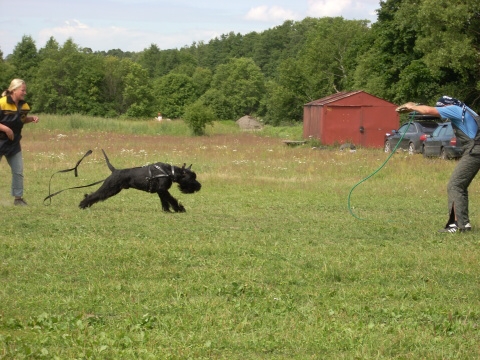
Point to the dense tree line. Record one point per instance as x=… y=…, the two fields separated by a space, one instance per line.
x=416 y=51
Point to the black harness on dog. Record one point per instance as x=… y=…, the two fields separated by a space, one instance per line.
x=152 y=177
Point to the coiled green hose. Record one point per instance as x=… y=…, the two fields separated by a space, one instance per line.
x=376 y=171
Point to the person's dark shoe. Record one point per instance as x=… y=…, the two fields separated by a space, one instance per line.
x=453 y=228
x=19 y=202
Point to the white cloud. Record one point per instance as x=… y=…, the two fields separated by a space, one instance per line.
x=272 y=13
x=127 y=39
x=71 y=28
x=347 y=8
x=87 y=36
x=320 y=8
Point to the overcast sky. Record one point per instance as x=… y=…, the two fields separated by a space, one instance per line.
x=133 y=25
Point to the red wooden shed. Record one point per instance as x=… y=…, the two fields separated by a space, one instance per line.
x=355 y=117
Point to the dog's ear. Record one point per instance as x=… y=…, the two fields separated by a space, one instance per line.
x=190 y=167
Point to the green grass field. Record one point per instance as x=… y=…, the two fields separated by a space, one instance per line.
x=267 y=262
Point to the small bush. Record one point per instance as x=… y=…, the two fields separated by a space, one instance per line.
x=197 y=116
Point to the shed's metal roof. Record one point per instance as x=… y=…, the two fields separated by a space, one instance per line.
x=334 y=97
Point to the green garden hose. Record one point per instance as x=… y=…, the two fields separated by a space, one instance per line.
x=376 y=171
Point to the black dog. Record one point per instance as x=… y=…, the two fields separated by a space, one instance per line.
x=153 y=178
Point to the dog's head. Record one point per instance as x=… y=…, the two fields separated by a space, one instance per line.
x=187 y=180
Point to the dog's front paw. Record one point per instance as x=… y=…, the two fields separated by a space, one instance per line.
x=84 y=203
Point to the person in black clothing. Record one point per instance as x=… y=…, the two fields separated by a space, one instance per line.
x=13 y=115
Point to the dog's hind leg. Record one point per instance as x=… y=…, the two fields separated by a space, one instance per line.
x=168 y=200
x=103 y=193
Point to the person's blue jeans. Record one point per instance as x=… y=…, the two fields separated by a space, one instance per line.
x=16 y=165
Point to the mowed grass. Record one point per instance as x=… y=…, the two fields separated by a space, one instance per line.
x=267 y=262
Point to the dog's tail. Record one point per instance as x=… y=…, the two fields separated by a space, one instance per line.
x=110 y=166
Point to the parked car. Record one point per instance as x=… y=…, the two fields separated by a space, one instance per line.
x=442 y=143
x=421 y=125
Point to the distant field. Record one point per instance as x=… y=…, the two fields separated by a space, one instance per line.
x=267 y=262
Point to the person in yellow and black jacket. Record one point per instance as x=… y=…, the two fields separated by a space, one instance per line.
x=13 y=115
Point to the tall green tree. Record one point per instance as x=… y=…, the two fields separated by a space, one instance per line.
x=149 y=59
x=90 y=89
x=392 y=49
x=270 y=46
x=51 y=49
x=45 y=84
x=239 y=86
x=137 y=94
x=7 y=72
x=115 y=70
x=450 y=42
x=220 y=49
x=126 y=84
x=58 y=77
x=24 y=58
x=286 y=96
x=172 y=93
x=324 y=65
x=421 y=49
x=202 y=78
x=329 y=57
